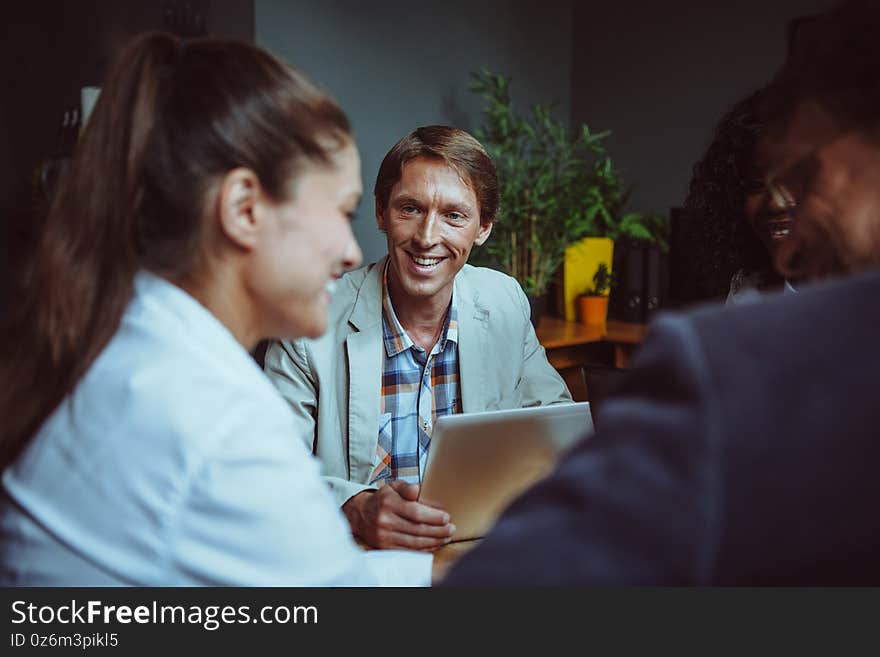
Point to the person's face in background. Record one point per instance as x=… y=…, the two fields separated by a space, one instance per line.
x=308 y=245
x=830 y=179
x=770 y=222
x=432 y=222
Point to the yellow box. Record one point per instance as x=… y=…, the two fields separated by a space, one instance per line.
x=581 y=262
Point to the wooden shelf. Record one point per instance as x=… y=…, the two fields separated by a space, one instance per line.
x=570 y=344
x=554 y=332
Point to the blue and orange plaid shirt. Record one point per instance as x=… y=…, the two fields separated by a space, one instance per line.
x=417 y=388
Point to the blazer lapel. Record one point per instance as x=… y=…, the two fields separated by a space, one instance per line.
x=473 y=346
x=364 y=356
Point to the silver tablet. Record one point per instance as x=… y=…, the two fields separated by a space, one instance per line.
x=479 y=462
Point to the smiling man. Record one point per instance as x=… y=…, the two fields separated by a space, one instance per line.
x=415 y=336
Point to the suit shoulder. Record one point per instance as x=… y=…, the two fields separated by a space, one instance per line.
x=782 y=333
x=486 y=279
x=815 y=307
x=487 y=274
x=346 y=293
x=351 y=281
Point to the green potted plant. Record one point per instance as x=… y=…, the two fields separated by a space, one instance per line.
x=557 y=186
x=592 y=303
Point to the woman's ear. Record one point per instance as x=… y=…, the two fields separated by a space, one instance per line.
x=239 y=207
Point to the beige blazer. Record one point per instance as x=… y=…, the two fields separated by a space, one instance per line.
x=333 y=383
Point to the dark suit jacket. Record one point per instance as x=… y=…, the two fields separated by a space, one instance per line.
x=744 y=448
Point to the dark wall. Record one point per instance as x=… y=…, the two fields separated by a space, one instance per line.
x=661 y=74
x=50 y=50
x=396 y=65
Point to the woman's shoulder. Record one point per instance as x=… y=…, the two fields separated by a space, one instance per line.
x=173 y=369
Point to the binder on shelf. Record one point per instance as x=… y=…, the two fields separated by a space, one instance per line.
x=628 y=298
x=653 y=283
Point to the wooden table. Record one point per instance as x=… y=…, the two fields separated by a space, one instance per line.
x=448 y=555
x=565 y=342
x=444 y=557
x=571 y=345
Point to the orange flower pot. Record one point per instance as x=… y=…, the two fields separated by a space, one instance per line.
x=592 y=310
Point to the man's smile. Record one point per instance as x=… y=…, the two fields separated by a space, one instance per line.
x=423 y=261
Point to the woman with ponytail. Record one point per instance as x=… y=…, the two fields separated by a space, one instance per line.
x=207 y=208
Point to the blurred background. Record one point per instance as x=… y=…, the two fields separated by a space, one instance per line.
x=658 y=75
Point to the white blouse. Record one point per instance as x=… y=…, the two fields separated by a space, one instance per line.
x=174 y=463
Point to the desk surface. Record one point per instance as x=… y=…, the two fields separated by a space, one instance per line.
x=444 y=557
x=449 y=554
x=554 y=332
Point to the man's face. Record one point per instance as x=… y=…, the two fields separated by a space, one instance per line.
x=432 y=222
x=831 y=179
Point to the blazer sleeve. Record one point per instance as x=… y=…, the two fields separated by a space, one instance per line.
x=540 y=383
x=637 y=502
x=287 y=366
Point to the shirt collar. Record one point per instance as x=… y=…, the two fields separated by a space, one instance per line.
x=396 y=338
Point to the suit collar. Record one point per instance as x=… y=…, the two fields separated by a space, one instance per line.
x=364 y=354
x=473 y=343
x=366 y=313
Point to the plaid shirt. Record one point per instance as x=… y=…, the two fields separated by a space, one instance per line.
x=417 y=388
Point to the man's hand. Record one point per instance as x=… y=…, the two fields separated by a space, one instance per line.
x=392 y=518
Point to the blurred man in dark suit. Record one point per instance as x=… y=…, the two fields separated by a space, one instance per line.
x=744 y=447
